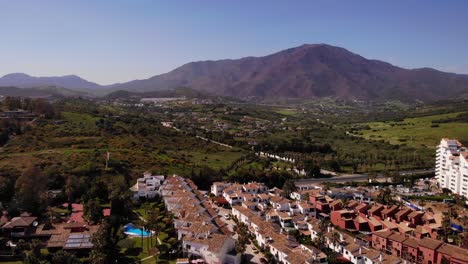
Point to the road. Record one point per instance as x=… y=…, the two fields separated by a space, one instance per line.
x=250 y=255
x=358 y=177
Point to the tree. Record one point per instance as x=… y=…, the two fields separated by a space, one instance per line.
x=335 y=238
x=312 y=169
x=104 y=247
x=71 y=187
x=428 y=184
x=288 y=188
x=7 y=187
x=243 y=238
x=153 y=223
x=385 y=196
x=31 y=188
x=12 y=103
x=446 y=221
x=61 y=257
x=320 y=240
x=93 y=210
x=35 y=246
x=141 y=223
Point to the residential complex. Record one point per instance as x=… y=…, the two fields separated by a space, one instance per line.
x=147 y=187
x=198 y=226
x=362 y=232
x=452 y=166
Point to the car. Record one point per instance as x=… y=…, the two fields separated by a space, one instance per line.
x=227 y=216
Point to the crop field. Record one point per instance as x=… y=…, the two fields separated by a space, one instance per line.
x=417 y=132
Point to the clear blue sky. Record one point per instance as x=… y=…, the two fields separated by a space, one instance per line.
x=111 y=41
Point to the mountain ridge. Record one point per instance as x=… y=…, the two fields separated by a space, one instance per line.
x=22 y=80
x=306 y=71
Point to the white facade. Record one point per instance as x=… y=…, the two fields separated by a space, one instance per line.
x=452 y=166
x=218 y=254
x=217 y=188
x=147 y=187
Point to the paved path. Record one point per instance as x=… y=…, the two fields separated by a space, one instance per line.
x=358 y=177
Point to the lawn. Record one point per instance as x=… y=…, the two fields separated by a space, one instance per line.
x=417 y=132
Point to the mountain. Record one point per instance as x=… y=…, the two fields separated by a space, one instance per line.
x=308 y=71
x=43 y=92
x=177 y=92
x=22 y=80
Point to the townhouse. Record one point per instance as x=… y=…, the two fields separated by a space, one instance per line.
x=198 y=226
x=425 y=250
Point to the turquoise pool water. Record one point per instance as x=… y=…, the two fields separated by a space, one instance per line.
x=130 y=229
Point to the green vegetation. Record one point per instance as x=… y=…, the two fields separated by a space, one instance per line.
x=419 y=131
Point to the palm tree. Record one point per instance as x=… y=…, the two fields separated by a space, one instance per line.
x=335 y=238
x=153 y=225
x=464 y=221
x=446 y=219
x=141 y=224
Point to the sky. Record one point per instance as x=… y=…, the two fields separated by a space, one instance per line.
x=110 y=41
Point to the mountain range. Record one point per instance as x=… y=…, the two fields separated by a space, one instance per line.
x=307 y=71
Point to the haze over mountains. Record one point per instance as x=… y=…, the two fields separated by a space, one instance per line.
x=307 y=71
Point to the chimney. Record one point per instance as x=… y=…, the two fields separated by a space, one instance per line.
x=329 y=229
x=380 y=258
x=360 y=250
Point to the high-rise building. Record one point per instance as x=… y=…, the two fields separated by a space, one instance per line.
x=452 y=166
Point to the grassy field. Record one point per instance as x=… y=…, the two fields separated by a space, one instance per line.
x=287 y=112
x=417 y=132
x=214 y=159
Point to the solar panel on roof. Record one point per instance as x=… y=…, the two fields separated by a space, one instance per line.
x=74 y=240
x=87 y=245
x=76 y=236
x=72 y=245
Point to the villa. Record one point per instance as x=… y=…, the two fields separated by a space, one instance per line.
x=147 y=187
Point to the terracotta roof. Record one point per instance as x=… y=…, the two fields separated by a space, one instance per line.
x=389 y=209
x=430 y=243
x=360 y=219
x=454 y=252
x=376 y=208
x=398 y=237
x=403 y=212
x=415 y=213
x=352 y=204
x=383 y=233
x=20 y=221
x=411 y=242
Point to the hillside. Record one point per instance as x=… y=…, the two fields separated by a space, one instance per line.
x=22 y=80
x=308 y=71
x=49 y=91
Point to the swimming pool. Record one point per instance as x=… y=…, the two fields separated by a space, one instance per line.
x=132 y=230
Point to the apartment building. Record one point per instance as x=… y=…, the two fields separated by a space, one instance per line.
x=452 y=166
x=147 y=186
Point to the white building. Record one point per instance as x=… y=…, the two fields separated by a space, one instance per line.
x=452 y=166
x=214 y=249
x=217 y=188
x=148 y=186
